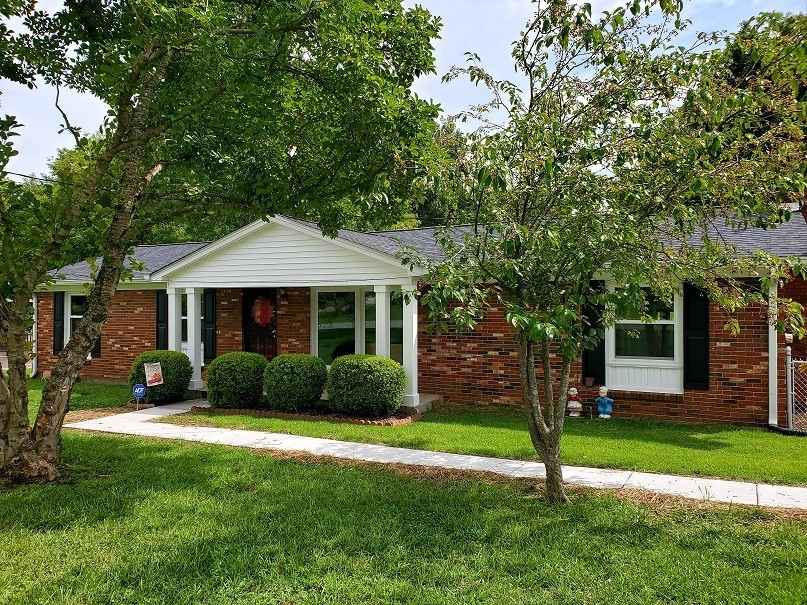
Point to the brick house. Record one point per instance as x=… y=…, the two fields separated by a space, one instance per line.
x=282 y=287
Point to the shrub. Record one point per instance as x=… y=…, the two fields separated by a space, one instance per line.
x=235 y=380
x=177 y=371
x=294 y=381
x=366 y=385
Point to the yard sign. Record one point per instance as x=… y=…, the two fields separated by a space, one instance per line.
x=154 y=374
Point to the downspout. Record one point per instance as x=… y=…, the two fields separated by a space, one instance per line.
x=35 y=361
x=773 y=356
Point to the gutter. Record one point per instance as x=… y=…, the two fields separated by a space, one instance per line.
x=773 y=357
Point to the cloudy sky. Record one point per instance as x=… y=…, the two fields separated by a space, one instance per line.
x=486 y=27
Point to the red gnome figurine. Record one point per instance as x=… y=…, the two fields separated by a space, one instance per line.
x=574 y=405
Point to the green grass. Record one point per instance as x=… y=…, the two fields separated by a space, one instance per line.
x=85 y=395
x=153 y=522
x=646 y=445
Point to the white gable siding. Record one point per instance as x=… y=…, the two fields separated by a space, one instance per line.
x=277 y=256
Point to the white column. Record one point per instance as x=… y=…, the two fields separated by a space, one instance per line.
x=382 y=320
x=175 y=319
x=195 y=335
x=773 y=357
x=410 y=347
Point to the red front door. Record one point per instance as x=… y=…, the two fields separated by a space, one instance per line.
x=260 y=321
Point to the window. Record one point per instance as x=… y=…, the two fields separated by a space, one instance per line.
x=396 y=325
x=76 y=308
x=636 y=338
x=336 y=325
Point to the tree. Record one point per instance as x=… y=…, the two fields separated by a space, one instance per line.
x=442 y=196
x=293 y=105
x=611 y=161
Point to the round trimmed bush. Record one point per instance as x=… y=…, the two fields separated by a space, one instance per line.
x=293 y=381
x=235 y=380
x=177 y=371
x=366 y=385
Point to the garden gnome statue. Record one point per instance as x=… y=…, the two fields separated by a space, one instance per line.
x=605 y=404
x=573 y=403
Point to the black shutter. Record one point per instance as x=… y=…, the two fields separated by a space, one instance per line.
x=594 y=359
x=209 y=326
x=58 y=322
x=96 y=349
x=162 y=319
x=696 y=338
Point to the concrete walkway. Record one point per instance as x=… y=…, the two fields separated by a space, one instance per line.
x=717 y=490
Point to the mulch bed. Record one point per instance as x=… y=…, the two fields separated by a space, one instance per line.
x=398 y=419
x=82 y=415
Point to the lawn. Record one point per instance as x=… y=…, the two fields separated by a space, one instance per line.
x=646 y=445
x=85 y=395
x=140 y=521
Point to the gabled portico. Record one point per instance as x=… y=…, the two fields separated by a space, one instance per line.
x=357 y=295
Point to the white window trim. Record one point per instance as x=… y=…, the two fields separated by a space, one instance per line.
x=68 y=319
x=665 y=363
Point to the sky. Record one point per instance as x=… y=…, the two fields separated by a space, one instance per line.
x=485 y=27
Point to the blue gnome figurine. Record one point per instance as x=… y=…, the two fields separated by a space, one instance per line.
x=605 y=404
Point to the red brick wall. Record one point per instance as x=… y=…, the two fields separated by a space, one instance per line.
x=294 y=321
x=130 y=329
x=229 y=326
x=479 y=368
x=482 y=368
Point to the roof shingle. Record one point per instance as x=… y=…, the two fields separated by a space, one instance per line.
x=788 y=239
x=154 y=257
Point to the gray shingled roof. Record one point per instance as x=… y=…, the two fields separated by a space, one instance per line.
x=390 y=242
x=789 y=239
x=154 y=257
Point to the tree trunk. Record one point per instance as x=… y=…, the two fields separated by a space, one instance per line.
x=545 y=425
x=550 y=456
x=30 y=453
x=19 y=458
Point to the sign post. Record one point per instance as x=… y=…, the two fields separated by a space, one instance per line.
x=139 y=391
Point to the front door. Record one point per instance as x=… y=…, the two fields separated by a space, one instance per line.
x=260 y=321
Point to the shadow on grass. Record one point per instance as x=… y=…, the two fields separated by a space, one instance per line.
x=690 y=436
x=159 y=522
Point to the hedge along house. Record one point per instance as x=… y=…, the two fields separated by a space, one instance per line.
x=282 y=287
